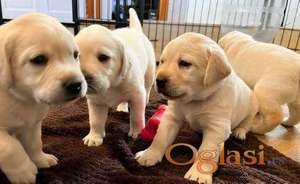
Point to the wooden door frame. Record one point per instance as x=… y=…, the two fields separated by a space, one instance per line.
x=90 y=8
x=163 y=10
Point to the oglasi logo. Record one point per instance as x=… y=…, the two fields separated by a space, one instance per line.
x=207 y=159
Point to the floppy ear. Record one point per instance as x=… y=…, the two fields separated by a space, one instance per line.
x=125 y=61
x=228 y=39
x=217 y=67
x=5 y=64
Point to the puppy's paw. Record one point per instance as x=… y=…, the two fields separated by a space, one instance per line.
x=93 y=139
x=134 y=132
x=240 y=133
x=148 y=157
x=195 y=175
x=24 y=174
x=287 y=123
x=123 y=107
x=45 y=160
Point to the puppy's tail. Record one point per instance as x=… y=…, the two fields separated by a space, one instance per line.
x=134 y=22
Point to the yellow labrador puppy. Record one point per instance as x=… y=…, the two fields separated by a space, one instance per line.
x=39 y=66
x=272 y=71
x=119 y=67
x=203 y=90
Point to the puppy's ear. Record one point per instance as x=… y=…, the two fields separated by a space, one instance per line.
x=222 y=42
x=125 y=61
x=5 y=63
x=217 y=66
x=228 y=39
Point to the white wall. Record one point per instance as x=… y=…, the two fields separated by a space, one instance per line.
x=245 y=12
x=106 y=9
x=61 y=9
x=180 y=11
x=177 y=11
x=292 y=19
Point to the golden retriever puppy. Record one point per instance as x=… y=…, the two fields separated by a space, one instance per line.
x=119 y=67
x=203 y=90
x=39 y=66
x=272 y=71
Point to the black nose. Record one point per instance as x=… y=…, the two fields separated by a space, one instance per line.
x=73 y=88
x=161 y=83
x=88 y=77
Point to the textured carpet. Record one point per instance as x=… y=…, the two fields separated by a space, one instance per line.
x=113 y=162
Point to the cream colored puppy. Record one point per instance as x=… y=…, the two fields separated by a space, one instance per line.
x=119 y=67
x=39 y=66
x=272 y=71
x=203 y=90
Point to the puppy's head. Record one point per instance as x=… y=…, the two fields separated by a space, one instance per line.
x=233 y=39
x=39 y=60
x=189 y=65
x=103 y=58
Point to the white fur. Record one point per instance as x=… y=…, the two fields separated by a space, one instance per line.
x=126 y=77
x=272 y=71
x=208 y=95
x=27 y=90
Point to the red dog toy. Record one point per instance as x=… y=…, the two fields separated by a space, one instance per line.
x=148 y=133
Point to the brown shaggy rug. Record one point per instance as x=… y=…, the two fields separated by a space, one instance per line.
x=113 y=162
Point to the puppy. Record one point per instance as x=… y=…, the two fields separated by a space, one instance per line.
x=39 y=66
x=119 y=67
x=272 y=71
x=202 y=90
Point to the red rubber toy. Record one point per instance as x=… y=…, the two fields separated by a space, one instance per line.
x=148 y=133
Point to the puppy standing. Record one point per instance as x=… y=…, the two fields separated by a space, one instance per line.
x=39 y=66
x=119 y=67
x=203 y=90
x=272 y=71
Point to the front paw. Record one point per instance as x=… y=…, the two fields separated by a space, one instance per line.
x=45 y=160
x=123 y=107
x=240 y=133
x=93 y=139
x=134 y=132
x=195 y=174
x=25 y=173
x=148 y=157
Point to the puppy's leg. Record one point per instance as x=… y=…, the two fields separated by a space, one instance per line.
x=123 y=107
x=98 y=116
x=166 y=134
x=137 y=113
x=246 y=125
x=14 y=161
x=149 y=80
x=270 y=97
x=271 y=114
x=32 y=143
x=294 y=114
x=243 y=128
x=208 y=155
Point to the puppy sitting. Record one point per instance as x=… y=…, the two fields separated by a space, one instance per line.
x=272 y=71
x=119 y=67
x=39 y=66
x=203 y=90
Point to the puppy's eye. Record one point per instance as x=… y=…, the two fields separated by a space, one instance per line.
x=39 y=60
x=157 y=63
x=184 y=63
x=103 y=58
x=75 y=54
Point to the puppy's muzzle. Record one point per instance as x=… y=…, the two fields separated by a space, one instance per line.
x=73 y=88
x=90 y=82
x=161 y=83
